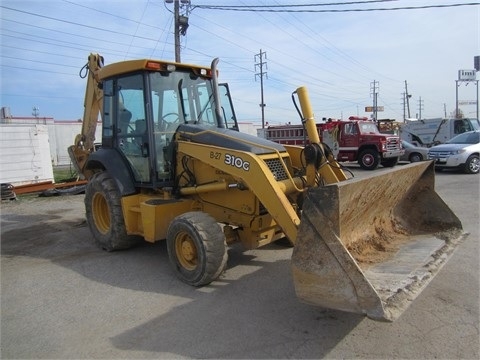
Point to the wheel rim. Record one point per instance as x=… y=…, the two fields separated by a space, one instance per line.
x=368 y=160
x=415 y=158
x=475 y=165
x=101 y=214
x=186 y=251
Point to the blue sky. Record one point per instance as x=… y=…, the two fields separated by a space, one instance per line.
x=338 y=56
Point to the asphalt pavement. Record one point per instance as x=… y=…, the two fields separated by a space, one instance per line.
x=62 y=297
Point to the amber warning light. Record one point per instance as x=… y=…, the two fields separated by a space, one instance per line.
x=153 y=65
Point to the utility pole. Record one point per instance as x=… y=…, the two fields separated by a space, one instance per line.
x=259 y=63
x=408 y=96
x=420 y=108
x=374 y=88
x=176 y=14
x=36 y=111
x=181 y=10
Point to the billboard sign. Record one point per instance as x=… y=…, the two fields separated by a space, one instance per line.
x=467 y=102
x=466 y=75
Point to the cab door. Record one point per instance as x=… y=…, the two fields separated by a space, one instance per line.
x=131 y=128
x=349 y=136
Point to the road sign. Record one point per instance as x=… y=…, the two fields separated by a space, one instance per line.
x=372 y=108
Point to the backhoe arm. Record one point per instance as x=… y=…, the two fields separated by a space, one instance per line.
x=84 y=142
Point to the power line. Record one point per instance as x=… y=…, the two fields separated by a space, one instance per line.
x=37 y=61
x=113 y=15
x=271 y=10
x=299 y=5
x=58 y=31
x=78 y=24
x=30 y=69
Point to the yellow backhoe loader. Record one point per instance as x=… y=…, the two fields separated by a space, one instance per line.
x=173 y=166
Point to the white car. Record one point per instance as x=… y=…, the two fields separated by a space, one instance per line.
x=460 y=152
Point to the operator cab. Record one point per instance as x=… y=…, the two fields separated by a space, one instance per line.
x=143 y=110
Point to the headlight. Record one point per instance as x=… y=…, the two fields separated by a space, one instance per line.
x=456 y=152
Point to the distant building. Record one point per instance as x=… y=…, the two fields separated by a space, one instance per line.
x=31 y=146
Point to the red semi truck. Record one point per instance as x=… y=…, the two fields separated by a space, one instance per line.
x=356 y=139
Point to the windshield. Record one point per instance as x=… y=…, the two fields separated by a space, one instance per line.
x=182 y=97
x=475 y=124
x=178 y=97
x=368 y=128
x=466 y=138
x=407 y=145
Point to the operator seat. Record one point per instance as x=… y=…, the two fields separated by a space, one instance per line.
x=124 y=117
x=140 y=131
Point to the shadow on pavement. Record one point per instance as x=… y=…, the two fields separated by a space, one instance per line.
x=251 y=311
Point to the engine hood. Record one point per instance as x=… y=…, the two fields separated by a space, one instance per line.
x=449 y=147
x=226 y=138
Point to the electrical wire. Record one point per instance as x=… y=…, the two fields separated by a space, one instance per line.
x=271 y=10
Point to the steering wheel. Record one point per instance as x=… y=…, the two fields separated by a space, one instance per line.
x=170 y=126
x=176 y=121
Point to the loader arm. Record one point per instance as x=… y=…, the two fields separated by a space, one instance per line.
x=84 y=142
x=255 y=177
x=319 y=160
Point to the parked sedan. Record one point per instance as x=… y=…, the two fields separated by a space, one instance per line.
x=460 y=152
x=413 y=153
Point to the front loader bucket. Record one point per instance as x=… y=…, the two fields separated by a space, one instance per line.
x=371 y=245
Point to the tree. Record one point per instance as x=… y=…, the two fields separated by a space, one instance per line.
x=459 y=115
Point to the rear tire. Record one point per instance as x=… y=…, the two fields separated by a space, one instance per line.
x=472 y=165
x=369 y=159
x=104 y=214
x=196 y=248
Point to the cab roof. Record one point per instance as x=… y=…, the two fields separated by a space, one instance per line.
x=124 y=67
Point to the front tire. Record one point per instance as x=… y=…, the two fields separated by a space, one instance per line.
x=197 y=248
x=369 y=159
x=472 y=165
x=415 y=157
x=104 y=214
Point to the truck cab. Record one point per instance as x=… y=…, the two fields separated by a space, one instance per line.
x=141 y=111
x=361 y=141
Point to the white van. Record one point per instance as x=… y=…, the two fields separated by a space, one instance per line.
x=430 y=132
